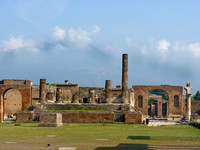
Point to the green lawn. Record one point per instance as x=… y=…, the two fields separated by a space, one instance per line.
x=99 y=136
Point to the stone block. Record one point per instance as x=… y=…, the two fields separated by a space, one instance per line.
x=50 y=120
x=25 y=116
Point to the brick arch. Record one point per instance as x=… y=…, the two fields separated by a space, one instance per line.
x=170 y=90
x=156 y=88
x=12 y=102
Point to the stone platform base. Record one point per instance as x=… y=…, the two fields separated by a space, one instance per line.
x=50 y=120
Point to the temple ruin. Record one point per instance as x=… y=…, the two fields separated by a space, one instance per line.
x=135 y=104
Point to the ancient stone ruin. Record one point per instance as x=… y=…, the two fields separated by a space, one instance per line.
x=108 y=104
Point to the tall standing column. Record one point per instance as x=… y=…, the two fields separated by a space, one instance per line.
x=125 y=78
x=108 y=88
x=42 y=90
x=188 y=101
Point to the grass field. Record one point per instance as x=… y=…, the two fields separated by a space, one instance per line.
x=105 y=136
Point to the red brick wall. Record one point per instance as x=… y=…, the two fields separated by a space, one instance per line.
x=73 y=117
x=133 y=117
x=24 y=88
x=25 y=117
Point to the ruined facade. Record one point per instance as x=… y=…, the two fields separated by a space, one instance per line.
x=149 y=101
x=15 y=96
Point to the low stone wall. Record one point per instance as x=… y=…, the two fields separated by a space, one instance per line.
x=50 y=120
x=195 y=108
x=161 y=122
x=107 y=107
x=195 y=118
x=81 y=117
x=134 y=117
x=25 y=116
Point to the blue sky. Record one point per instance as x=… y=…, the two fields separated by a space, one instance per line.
x=83 y=41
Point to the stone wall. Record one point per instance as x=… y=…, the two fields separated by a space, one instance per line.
x=135 y=117
x=84 y=94
x=106 y=107
x=27 y=116
x=81 y=117
x=195 y=107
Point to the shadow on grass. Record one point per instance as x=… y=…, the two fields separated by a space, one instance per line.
x=139 y=137
x=196 y=125
x=147 y=147
x=125 y=147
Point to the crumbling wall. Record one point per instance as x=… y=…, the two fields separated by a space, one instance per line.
x=84 y=93
x=24 y=88
x=195 y=107
x=145 y=91
x=81 y=117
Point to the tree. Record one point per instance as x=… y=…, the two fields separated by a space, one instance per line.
x=197 y=96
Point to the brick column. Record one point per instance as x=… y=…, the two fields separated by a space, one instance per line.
x=42 y=90
x=108 y=88
x=125 y=78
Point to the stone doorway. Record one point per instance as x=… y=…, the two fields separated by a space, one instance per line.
x=153 y=108
x=12 y=103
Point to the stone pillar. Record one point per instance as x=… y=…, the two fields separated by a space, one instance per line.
x=132 y=101
x=108 y=88
x=42 y=90
x=1 y=109
x=188 y=101
x=59 y=95
x=125 y=78
x=92 y=96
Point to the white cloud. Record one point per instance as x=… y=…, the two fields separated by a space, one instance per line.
x=59 y=34
x=178 y=46
x=194 y=48
x=18 y=44
x=79 y=38
x=96 y=29
x=163 y=46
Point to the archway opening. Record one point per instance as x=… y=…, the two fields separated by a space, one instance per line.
x=12 y=103
x=153 y=108
x=165 y=98
x=159 y=92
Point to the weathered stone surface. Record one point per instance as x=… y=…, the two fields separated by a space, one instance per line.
x=25 y=116
x=195 y=105
x=108 y=93
x=79 y=117
x=188 y=101
x=107 y=107
x=134 y=117
x=50 y=119
x=59 y=95
x=125 y=94
x=42 y=90
x=12 y=91
x=170 y=90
